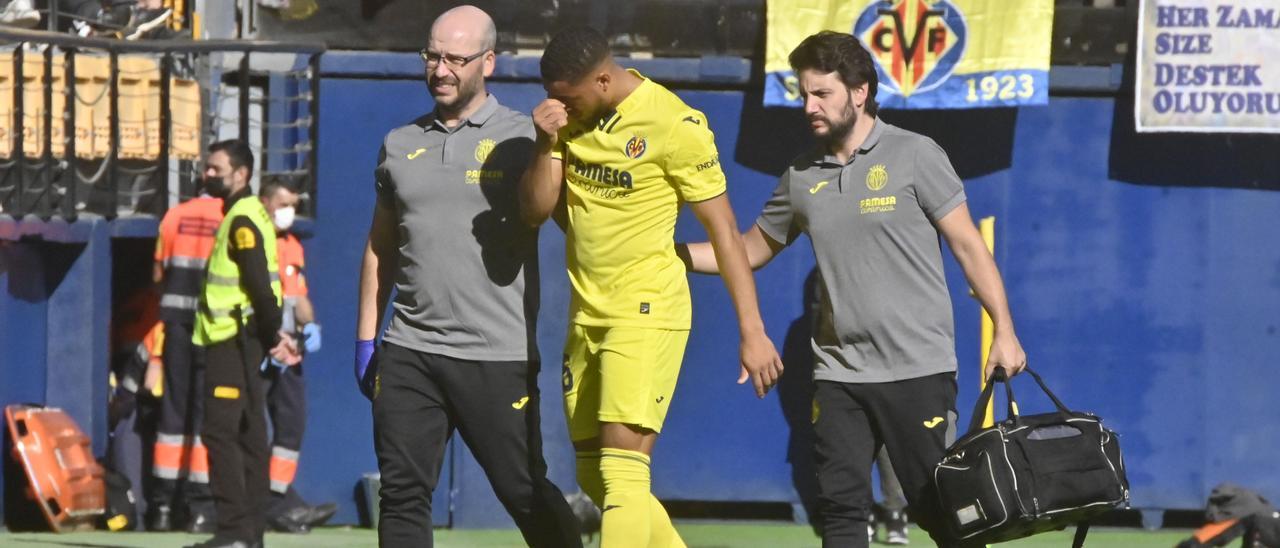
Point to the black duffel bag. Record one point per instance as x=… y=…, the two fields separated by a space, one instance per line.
x=1029 y=474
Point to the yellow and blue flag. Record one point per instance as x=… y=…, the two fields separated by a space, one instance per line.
x=928 y=53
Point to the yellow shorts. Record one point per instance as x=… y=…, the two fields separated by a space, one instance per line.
x=619 y=374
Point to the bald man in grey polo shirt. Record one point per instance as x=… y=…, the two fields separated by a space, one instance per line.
x=873 y=199
x=459 y=351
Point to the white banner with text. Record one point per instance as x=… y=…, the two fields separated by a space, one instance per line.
x=1208 y=66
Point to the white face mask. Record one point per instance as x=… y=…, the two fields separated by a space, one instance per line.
x=283 y=218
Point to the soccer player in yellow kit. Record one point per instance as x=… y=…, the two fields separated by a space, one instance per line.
x=617 y=155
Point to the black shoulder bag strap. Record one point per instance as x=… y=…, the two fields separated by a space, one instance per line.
x=1082 y=529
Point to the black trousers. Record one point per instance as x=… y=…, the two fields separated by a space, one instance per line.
x=181 y=416
x=914 y=420
x=421 y=399
x=235 y=432
x=890 y=489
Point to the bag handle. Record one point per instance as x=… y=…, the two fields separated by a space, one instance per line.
x=1056 y=402
x=987 y=396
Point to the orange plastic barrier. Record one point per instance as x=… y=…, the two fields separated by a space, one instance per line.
x=57 y=125
x=93 y=107
x=139 y=104
x=6 y=105
x=33 y=84
x=185 y=114
x=64 y=478
x=138 y=78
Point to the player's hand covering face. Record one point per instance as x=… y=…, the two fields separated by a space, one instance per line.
x=549 y=117
x=583 y=101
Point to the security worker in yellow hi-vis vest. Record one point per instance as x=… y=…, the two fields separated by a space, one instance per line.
x=238 y=324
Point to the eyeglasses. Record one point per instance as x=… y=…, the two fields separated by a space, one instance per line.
x=452 y=61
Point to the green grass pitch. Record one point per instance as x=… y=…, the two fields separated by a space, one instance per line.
x=698 y=534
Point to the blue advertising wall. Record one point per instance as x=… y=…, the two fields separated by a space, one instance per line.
x=1141 y=273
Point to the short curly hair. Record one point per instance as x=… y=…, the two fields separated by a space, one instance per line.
x=572 y=53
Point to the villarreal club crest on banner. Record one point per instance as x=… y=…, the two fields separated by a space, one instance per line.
x=915 y=43
x=928 y=53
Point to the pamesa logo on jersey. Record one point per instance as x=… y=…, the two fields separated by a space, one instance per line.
x=916 y=44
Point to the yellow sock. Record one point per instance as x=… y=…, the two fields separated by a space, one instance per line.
x=661 y=532
x=627 y=507
x=589 y=479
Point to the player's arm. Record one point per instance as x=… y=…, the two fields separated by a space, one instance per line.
x=759 y=359
x=542 y=182
x=984 y=277
x=700 y=257
x=693 y=164
x=766 y=238
x=561 y=213
x=377 y=272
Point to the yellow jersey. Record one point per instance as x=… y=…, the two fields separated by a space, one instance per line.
x=626 y=178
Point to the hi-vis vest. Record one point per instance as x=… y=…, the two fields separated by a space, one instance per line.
x=215 y=320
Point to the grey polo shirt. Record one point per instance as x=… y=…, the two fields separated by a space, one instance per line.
x=465 y=257
x=884 y=314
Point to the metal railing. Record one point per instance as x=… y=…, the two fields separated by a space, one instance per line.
x=1086 y=32
x=51 y=184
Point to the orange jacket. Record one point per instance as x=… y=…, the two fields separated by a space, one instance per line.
x=183 y=248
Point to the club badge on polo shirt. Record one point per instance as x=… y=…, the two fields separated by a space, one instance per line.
x=484 y=148
x=476 y=176
x=877 y=179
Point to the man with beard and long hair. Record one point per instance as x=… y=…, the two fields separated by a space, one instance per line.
x=460 y=351
x=874 y=200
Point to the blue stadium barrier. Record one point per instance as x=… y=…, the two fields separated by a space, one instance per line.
x=1141 y=294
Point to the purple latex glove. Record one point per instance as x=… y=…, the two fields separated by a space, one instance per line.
x=364 y=374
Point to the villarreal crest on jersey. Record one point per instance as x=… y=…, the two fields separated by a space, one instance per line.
x=626 y=178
